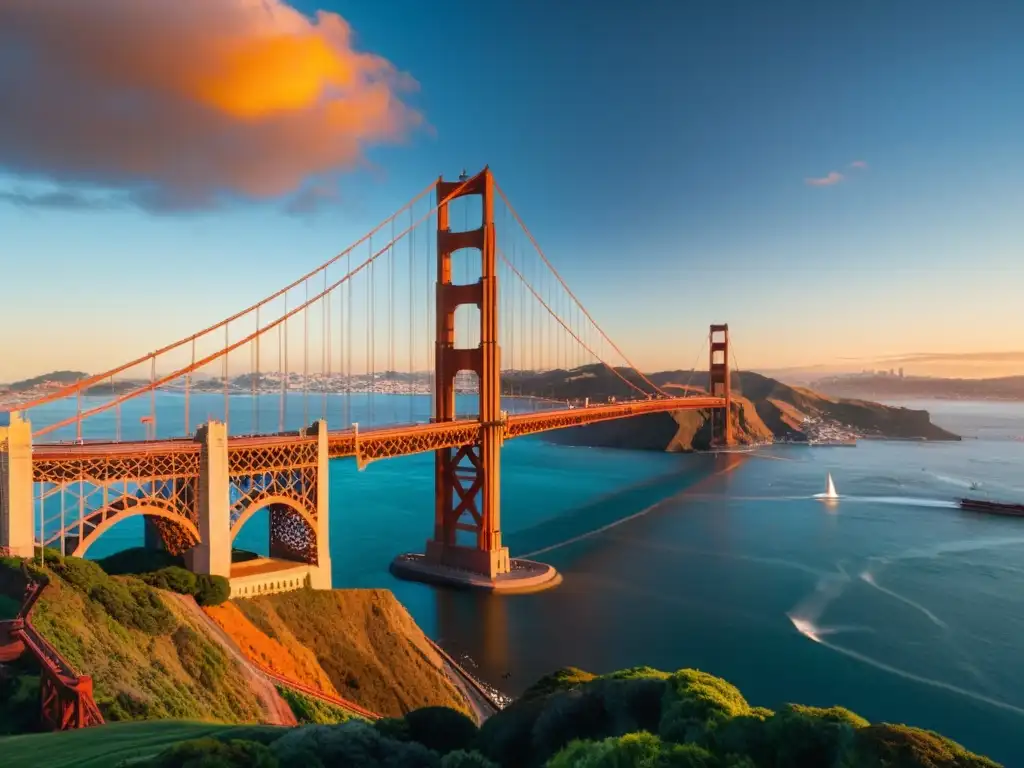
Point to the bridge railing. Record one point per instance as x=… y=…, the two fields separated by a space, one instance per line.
x=74 y=699
x=315 y=693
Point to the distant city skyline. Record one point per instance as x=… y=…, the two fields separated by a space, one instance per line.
x=841 y=189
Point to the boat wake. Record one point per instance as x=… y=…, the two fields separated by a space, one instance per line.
x=902 y=501
x=805 y=616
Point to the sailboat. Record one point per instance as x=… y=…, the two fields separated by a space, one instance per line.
x=830 y=490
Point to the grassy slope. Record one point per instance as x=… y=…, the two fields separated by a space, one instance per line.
x=135 y=675
x=274 y=646
x=366 y=642
x=102 y=747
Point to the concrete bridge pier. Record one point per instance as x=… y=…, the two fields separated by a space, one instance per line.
x=212 y=555
x=17 y=535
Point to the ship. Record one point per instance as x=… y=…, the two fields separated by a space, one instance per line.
x=992 y=507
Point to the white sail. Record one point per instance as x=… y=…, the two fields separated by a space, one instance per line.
x=830 y=488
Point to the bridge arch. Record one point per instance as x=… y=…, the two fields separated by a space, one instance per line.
x=97 y=522
x=293 y=529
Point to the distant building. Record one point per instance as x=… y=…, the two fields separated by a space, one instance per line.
x=901 y=373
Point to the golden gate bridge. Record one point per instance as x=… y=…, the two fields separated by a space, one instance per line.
x=244 y=415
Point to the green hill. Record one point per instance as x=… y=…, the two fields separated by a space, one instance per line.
x=763 y=408
x=570 y=719
x=53 y=377
x=147 y=658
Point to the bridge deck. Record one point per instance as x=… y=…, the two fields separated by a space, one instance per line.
x=387 y=441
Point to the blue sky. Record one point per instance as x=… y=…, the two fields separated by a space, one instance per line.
x=659 y=151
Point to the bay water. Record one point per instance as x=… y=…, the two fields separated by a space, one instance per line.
x=891 y=601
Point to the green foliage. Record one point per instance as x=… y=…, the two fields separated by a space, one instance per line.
x=393 y=728
x=126 y=600
x=214 y=753
x=9 y=607
x=173 y=579
x=310 y=711
x=441 y=729
x=139 y=560
x=19 y=696
x=560 y=680
x=900 y=746
x=212 y=590
x=643 y=750
x=697 y=703
x=201 y=659
x=802 y=735
x=574 y=706
x=460 y=758
x=353 y=743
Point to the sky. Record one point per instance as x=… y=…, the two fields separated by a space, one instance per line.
x=840 y=182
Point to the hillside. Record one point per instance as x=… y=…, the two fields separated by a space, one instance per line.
x=147 y=658
x=763 y=408
x=889 y=387
x=360 y=644
x=53 y=378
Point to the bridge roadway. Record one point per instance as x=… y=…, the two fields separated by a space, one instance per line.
x=383 y=442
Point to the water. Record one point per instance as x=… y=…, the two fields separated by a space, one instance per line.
x=890 y=602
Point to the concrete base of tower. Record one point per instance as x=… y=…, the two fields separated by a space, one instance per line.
x=522 y=575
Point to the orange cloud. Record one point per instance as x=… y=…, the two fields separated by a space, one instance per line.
x=859 y=164
x=180 y=101
x=825 y=181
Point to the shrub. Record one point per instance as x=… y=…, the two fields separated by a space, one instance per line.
x=393 y=728
x=202 y=660
x=696 y=703
x=310 y=711
x=633 y=749
x=19 y=696
x=131 y=603
x=212 y=590
x=172 y=578
x=262 y=734
x=139 y=560
x=79 y=573
x=441 y=729
x=460 y=758
x=800 y=735
x=353 y=743
x=214 y=753
x=900 y=746
x=560 y=680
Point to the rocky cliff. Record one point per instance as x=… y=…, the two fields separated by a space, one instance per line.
x=763 y=409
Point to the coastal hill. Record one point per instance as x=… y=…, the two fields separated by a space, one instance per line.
x=892 y=387
x=763 y=409
x=154 y=654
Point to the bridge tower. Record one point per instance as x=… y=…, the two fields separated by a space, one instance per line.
x=17 y=537
x=468 y=478
x=719 y=385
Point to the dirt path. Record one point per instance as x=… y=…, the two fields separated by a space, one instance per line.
x=275 y=709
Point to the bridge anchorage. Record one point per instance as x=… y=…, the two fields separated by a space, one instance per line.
x=198 y=486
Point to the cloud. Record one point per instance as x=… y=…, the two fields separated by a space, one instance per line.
x=834 y=177
x=179 y=103
x=59 y=199
x=859 y=164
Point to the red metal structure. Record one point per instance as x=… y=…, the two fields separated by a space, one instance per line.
x=467 y=482
x=719 y=385
x=172 y=472
x=66 y=699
